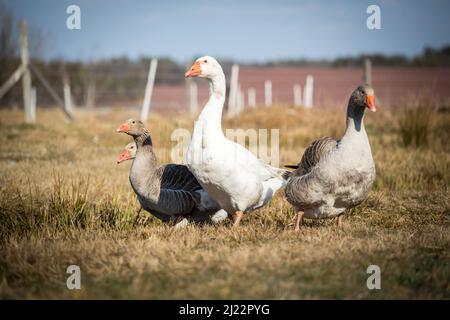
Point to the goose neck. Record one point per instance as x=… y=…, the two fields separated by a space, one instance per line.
x=144 y=167
x=355 y=119
x=217 y=85
x=212 y=112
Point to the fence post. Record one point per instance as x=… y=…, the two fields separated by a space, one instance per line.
x=51 y=91
x=67 y=98
x=308 y=92
x=193 y=96
x=251 y=96
x=268 y=93
x=11 y=81
x=26 y=77
x=149 y=89
x=232 y=102
x=33 y=104
x=367 y=71
x=240 y=100
x=90 y=94
x=297 y=89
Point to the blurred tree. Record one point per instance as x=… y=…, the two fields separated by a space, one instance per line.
x=8 y=42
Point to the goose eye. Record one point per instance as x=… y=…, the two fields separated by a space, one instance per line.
x=133 y=122
x=206 y=61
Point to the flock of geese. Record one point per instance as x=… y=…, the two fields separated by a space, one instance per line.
x=223 y=179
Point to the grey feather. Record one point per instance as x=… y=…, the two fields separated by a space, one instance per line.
x=334 y=175
x=167 y=191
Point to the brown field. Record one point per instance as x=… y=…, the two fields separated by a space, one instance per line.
x=332 y=86
x=65 y=201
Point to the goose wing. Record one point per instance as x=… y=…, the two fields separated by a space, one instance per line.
x=178 y=187
x=313 y=154
x=178 y=177
x=247 y=161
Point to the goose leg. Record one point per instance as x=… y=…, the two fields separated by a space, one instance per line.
x=237 y=218
x=298 y=220
x=339 y=220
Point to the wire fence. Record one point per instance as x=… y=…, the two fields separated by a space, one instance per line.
x=123 y=84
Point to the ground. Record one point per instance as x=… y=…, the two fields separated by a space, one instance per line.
x=65 y=202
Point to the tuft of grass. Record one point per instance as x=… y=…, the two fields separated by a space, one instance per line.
x=65 y=206
x=416 y=123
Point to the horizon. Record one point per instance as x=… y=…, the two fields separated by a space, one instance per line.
x=248 y=32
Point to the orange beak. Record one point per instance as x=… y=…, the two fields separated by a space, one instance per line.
x=123 y=127
x=194 y=71
x=370 y=102
x=123 y=156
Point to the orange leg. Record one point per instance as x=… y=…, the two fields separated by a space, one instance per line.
x=237 y=218
x=298 y=220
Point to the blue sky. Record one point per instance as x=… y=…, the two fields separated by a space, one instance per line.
x=241 y=30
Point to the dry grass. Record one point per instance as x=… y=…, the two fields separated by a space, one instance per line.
x=416 y=122
x=65 y=201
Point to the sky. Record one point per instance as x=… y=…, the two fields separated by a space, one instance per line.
x=247 y=31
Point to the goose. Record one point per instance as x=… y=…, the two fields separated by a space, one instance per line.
x=229 y=172
x=334 y=175
x=170 y=191
x=128 y=153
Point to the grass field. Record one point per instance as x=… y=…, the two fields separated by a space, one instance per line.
x=65 y=201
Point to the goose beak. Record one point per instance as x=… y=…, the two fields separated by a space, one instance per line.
x=194 y=71
x=123 y=156
x=370 y=102
x=123 y=127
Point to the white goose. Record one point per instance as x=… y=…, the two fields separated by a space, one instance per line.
x=230 y=174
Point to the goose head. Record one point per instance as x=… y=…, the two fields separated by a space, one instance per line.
x=364 y=97
x=204 y=67
x=132 y=127
x=128 y=153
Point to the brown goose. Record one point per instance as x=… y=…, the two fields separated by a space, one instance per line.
x=129 y=153
x=167 y=191
x=335 y=175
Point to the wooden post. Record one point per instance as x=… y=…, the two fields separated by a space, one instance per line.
x=11 y=80
x=251 y=96
x=233 y=89
x=268 y=93
x=26 y=77
x=67 y=98
x=33 y=104
x=51 y=91
x=367 y=71
x=193 y=96
x=297 y=89
x=149 y=89
x=308 y=92
x=240 y=100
